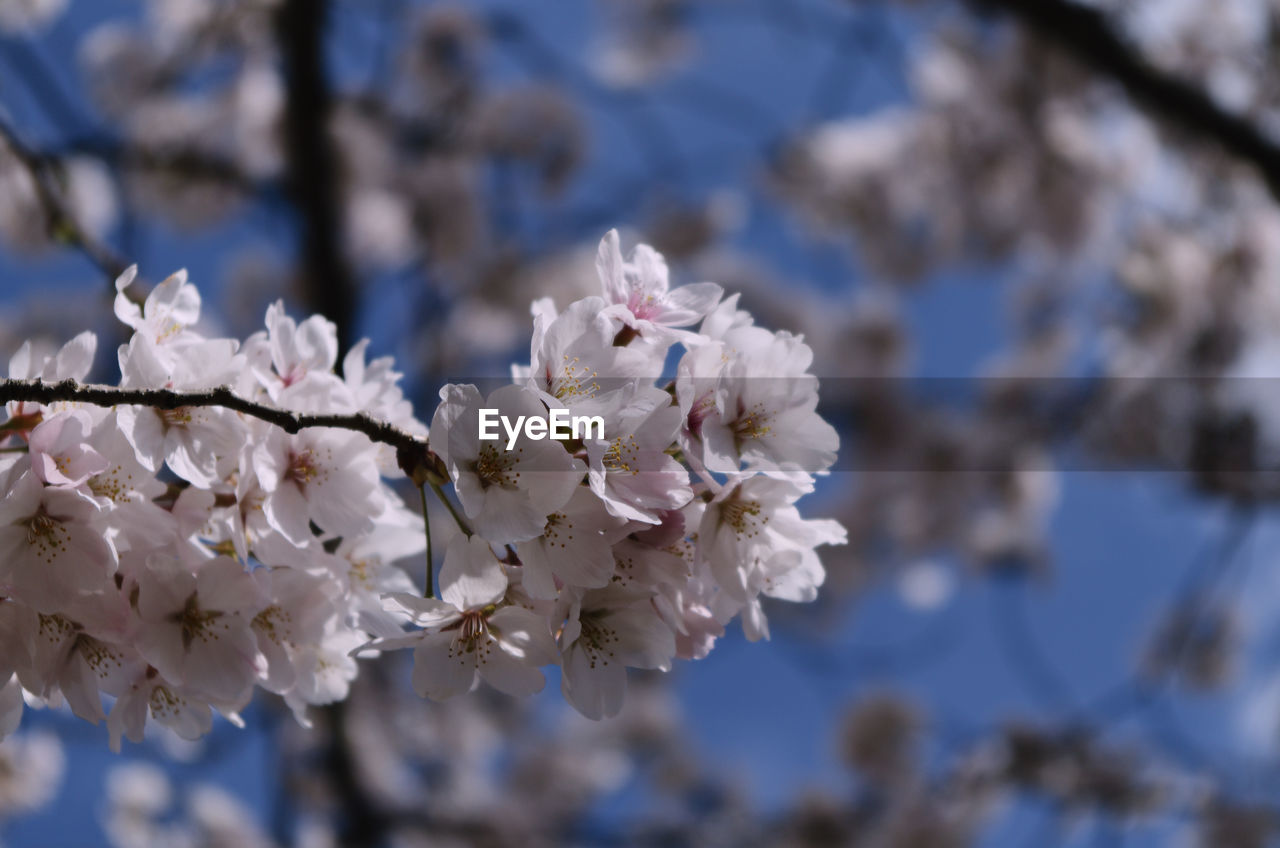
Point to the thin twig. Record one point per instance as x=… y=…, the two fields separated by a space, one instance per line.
x=457 y=517
x=429 y=590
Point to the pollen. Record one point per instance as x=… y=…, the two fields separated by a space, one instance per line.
x=303 y=468
x=179 y=417
x=46 y=535
x=622 y=455
x=744 y=517
x=558 y=525
x=575 y=380
x=494 y=467
x=197 y=623
x=597 y=640
x=751 y=424
x=474 y=643
x=114 y=484
x=101 y=658
x=275 y=623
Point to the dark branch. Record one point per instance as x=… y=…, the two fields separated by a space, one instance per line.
x=1087 y=35
x=36 y=391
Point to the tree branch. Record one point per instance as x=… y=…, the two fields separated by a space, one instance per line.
x=37 y=391
x=1087 y=35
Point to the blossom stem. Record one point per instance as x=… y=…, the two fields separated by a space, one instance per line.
x=429 y=590
x=444 y=499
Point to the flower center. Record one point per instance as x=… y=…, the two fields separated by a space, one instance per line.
x=302 y=468
x=743 y=516
x=597 y=639
x=274 y=622
x=575 y=380
x=702 y=407
x=751 y=424
x=621 y=455
x=494 y=468
x=196 y=623
x=42 y=529
x=474 y=625
x=176 y=417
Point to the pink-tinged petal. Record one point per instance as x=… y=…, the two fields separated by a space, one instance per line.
x=286 y=511
x=145 y=434
x=160 y=644
x=524 y=634
x=454 y=427
x=181 y=712
x=610 y=268
x=270 y=459
x=224 y=585
x=163 y=587
x=754 y=624
x=280 y=676
x=471 y=576
x=537 y=573
x=652 y=271
x=75 y=359
x=173 y=302
x=223 y=666
x=128 y=717
x=191 y=460
x=343 y=503
x=441 y=672
x=509 y=674
x=54 y=568
x=687 y=305
x=69 y=505
x=316 y=343
x=508 y=516
x=719 y=450
x=129 y=313
x=426 y=612
x=76 y=465
x=19 y=503
x=594 y=686
x=644 y=639
x=79 y=685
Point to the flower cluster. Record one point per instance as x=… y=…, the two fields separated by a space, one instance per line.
x=175 y=557
x=634 y=545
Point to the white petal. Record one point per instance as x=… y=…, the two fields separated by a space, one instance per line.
x=471 y=576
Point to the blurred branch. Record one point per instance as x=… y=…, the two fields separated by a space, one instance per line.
x=60 y=220
x=1087 y=35
x=312 y=171
x=198 y=165
x=364 y=824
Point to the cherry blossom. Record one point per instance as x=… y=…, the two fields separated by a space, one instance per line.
x=470 y=635
x=507 y=493
x=640 y=294
x=176 y=557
